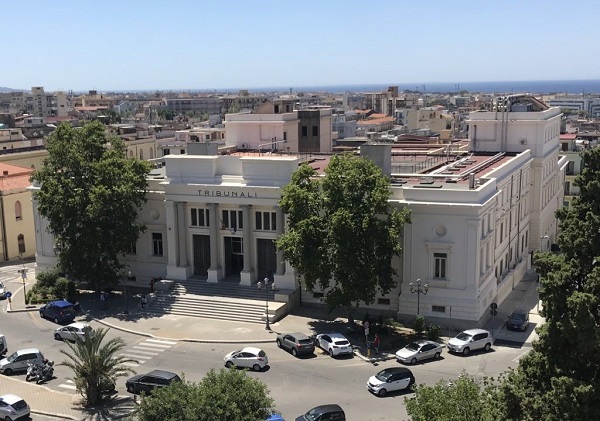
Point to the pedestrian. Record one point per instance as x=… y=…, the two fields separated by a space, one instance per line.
x=152 y=281
x=143 y=302
x=376 y=343
x=103 y=300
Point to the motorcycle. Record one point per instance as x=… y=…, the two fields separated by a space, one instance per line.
x=32 y=371
x=46 y=373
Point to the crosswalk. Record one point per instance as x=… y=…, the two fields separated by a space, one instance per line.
x=146 y=350
x=142 y=352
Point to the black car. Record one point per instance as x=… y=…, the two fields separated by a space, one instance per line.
x=518 y=320
x=331 y=412
x=147 y=382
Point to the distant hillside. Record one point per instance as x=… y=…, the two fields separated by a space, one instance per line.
x=4 y=90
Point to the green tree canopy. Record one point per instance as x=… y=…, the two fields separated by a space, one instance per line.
x=228 y=394
x=95 y=365
x=342 y=233
x=91 y=193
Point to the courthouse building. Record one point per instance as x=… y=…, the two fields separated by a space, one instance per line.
x=479 y=209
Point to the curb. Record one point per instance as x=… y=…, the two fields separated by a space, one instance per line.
x=50 y=414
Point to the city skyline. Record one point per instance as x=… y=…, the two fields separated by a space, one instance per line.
x=155 y=45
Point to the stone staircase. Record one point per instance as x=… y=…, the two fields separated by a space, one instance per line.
x=226 y=300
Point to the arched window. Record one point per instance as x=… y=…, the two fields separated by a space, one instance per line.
x=131 y=154
x=18 y=211
x=141 y=154
x=21 y=241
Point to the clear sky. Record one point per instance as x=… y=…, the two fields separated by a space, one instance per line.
x=229 y=44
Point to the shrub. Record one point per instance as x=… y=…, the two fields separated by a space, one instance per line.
x=61 y=288
x=419 y=325
x=433 y=332
x=47 y=278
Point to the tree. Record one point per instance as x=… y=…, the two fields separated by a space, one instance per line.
x=342 y=233
x=91 y=193
x=95 y=365
x=560 y=378
x=228 y=394
x=460 y=400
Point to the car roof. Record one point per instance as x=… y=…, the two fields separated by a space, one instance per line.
x=475 y=331
x=336 y=336
x=10 y=398
x=61 y=303
x=79 y=325
x=297 y=335
x=252 y=349
x=28 y=351
x=425 y=341
x=327 y=408
x=162 y=374
x=396 y=370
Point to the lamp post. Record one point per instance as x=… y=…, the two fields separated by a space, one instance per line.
x=418 y=290
x=543 y=243
x=260 y=285
x=23 y=273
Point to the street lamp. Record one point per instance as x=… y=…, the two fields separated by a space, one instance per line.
x=418 y=290
x=23 y=273
x=260 y=285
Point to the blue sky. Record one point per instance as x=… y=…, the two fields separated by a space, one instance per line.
x=227 y=44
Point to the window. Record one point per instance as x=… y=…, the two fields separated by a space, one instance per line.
x=232 y=219
x=18 y=211
x=266 y=221
x=21 y=241
x=304 y=131
x=157 y=244
x=383 y=301
x=166 y=152
x=439 y=265
x=315 y=130
x=141 y=155
x=284 y=135
x=438 y=309
x=276 y=109
x=132 y=249
x=199 y=218
x=182 y=151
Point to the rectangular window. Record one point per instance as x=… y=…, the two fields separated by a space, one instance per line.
x=199 y=218
x=157 y=244
x=166 y=152
x=315 y=130
x=439 y=265
x=182 y=151
x=284 y=135
x=304 y=131
x=383 y=301
x=132 y=249
x=265 y=221
x=438 y=309
x=232 y=219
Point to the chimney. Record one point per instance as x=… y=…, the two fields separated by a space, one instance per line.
x=5 y=173
x=471 y=181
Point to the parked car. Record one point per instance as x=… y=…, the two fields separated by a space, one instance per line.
x=61 y=311
x=18 y=360
x=249 y=357
x=2 y=290
x=471 y=340
x=149 y=381
x=330 y=412
x=391 y=380
x=297 y=343
x=334 y=343
x=3 y=345
x=13 y=408
x=69 y=332
x=419 y=351
x=518 y=320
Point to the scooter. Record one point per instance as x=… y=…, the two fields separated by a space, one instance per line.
x=46 y=373
x=32 y=371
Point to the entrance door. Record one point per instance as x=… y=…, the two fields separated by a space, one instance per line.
x=201 y=246
x=266 y=265
x=234 y=256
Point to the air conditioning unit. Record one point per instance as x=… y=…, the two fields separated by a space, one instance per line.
x=523 y=141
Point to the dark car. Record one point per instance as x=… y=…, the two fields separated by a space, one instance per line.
x=518 y=320
x=297 y=343
x=331 y=412
x=147 y=382
x=61 y=311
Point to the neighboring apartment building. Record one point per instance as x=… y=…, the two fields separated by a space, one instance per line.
x=276 y=125
x=571 y=147
x=476 y=216
x=200 y=105
x=588 y=104
x=434 y=119
x=37 y=102
x=17 y=235
x=344 y=124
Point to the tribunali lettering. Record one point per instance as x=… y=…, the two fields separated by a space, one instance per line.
x=227 y=193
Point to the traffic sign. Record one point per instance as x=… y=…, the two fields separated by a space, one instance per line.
x=493 y=312
x=8 y=294
x=493 y=306
x=366 y=325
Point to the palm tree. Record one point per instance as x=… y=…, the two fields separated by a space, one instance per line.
x=96 y=365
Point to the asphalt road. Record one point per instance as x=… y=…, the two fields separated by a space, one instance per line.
x=296 y=384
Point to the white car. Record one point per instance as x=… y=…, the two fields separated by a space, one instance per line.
x=2 y=290
x=471 y=340
x=418 y=351
x=391 y=380
x=13 y=407
x=69 y=332
x=334 y=343
x=249 y=357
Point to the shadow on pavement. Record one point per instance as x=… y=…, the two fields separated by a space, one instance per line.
x=120 y=407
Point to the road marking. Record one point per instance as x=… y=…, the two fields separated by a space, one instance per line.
x=520 y=356
x=69 y=385
x=136 y=356
x=146 y=350
x=160 y=341
x=130 y=364
x=36 y=318
x=155 y=346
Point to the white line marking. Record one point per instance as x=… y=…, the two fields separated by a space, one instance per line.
x=159 y=341
x=155 y=346
x=133 y=364
x=68 y=386
x=137 y=356
x=520 y=356
x=144 y=350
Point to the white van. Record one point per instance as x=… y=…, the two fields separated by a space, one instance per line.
x=18 y=360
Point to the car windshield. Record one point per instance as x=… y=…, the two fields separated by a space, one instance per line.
x=517 y=316
x=341 y=342
x=413 y=346
x=463 y=336
x=312 y=415
x=383 y=375
x=12 y=357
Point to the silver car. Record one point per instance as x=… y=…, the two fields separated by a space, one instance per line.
x=2 y=290
x=13 y=408
x=69 y=332
x=419 y=351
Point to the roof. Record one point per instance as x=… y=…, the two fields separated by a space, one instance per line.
x=14 y=177
x=568 y=136
x=79 y=325
x=61 y=303
x=475 y=331
x=10 y=399
x=252 y=349
x=28 y=351
x=162 y=374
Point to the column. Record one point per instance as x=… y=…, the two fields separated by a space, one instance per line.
x=172 y=245
x=280 y=219
x=181 y=235
x=247 y=275
x=214 y=271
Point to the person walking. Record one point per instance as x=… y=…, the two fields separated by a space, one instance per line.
x=143 y=302
x=376 y=343
x=103 y=300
